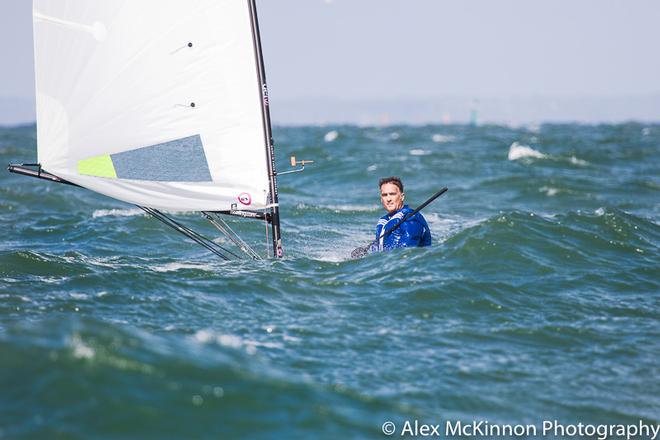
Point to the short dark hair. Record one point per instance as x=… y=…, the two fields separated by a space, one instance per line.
x=395 y=180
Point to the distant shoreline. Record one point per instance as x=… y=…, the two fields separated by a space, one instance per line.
x=422 y=111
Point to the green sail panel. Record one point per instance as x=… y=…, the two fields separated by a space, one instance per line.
x=99 y=166
x=180 y=160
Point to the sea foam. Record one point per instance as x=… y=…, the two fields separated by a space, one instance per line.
x=331 y=136
x=117 y=213
x=517 y=151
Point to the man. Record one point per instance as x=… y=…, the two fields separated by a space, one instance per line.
x=414 y=232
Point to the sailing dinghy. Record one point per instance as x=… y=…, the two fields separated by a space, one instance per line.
x=158 y=103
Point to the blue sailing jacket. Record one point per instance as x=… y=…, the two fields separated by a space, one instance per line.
x=414 y=232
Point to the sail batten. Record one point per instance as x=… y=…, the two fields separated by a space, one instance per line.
x=156 y=103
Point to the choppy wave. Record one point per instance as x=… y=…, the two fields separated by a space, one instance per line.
x=419 y=152
x=582 y=237
x=543 y=275
x=331 y=136
x=94 y=376
x=518 y=151
x=440 y=138
x=117 y=212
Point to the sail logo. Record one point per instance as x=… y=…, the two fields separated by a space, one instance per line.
x=264 y=90
x=245 y=199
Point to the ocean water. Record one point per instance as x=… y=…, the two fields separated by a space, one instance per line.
x=539 y=299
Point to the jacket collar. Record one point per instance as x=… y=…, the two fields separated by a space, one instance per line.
x=400 y=210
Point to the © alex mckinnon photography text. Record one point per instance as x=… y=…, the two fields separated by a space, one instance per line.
x=546 y=428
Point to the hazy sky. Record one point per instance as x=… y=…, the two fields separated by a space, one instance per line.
x=368 y=49
x=372 y=48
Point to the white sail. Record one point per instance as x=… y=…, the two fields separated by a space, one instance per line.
x=153 y=102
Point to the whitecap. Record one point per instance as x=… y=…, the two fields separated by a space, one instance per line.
x=443 y=226
x=232 y=341
x=350 y=208
x=203 y=336
x=288 y=338
x=206 y=336
x=50 y=280
x=549 y=191
x=229 y=341
x=575 y=161
x=373 y=167
x=80 y=349
x=336 y=256
x=440 y=139
x=331 y=136
x=517 y=151
x=117 y=213
x=394 y=136
x=80 y=296
x=102 y=262
x=419 y=152
x=173 y=267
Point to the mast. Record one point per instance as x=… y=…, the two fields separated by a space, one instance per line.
x=270 y=148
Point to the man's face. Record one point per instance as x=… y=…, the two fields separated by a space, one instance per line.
x=391 y=197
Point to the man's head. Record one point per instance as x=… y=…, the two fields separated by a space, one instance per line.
x=391 y=193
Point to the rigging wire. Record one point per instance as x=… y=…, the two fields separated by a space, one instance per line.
x=212 y=246
x=224 y=228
